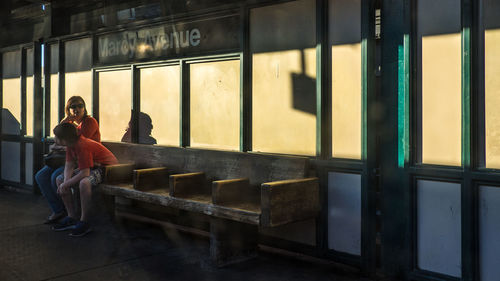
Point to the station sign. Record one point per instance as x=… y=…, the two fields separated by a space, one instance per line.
x=170 y=40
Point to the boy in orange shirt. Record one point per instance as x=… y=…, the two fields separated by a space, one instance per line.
x=90 y=156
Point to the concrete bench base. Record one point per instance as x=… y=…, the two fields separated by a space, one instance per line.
x=232 y=242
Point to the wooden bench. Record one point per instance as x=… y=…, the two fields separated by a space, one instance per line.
x=239 y=191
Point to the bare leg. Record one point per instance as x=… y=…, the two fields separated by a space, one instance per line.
x=67 y=199
x=85 y=197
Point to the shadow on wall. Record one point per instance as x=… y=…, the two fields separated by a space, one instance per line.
x=145 y=129
x=281 y=31
x=304 y=89
x=10 y=125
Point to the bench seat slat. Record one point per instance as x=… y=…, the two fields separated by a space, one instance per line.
x=162 y=198
x=245 y=206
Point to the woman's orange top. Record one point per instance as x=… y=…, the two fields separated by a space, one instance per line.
x=89 y=129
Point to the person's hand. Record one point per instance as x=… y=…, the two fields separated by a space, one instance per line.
x=62 y=188
x=70 y=119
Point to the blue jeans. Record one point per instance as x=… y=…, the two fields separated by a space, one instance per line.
x=46 y=179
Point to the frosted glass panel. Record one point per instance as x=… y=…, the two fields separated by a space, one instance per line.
x=492 y=83
x=54 y=103
x=283 y=47
x=160 y=100
x=11 y=156
x=77 y=63
x=79 y=84
x=344 y=212
x=439 y=32
x=29 y=106
x=29 y=163
x=345 y=44
x=439 y=227
x=215 y=105
x=78 y=54
x=115 y=104
x=489 y=228
x=11 y=111
x=492 y=97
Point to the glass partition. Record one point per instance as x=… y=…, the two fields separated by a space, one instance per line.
x=344 y=212
x=29 y=92
x=29 y=105
x=11 y=93
x=28 y=166
x=283 y=50
x=492 y=82
x=11 y=111
x=54 y=102
x=159 y=119
x=11 y=161
x=54 y=88
x=115 y=104
x=488 y=229
x=439 y=32
x=215 y=104
x=345 y=44
x=439 y=235
x=79 y=84
x=78 y=74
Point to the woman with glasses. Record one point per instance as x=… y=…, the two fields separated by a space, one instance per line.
x=76 y=114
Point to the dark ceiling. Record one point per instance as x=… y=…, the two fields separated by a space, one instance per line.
x=22 y=21
x=25 y=21
x=13 y=10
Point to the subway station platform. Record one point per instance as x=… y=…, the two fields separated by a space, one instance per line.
x=126 y=250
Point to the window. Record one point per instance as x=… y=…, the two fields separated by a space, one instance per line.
x=492 y=82
x=283 y=50
x=78 y=77
x=159 y=120
x=54 y=88
x=215 y=104
x=345 y=44
x=30 y=83
x=11 y=115
x=439 y=81
x=11 y=87
x=115 y=103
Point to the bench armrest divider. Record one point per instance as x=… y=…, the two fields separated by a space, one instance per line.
x=287 y=201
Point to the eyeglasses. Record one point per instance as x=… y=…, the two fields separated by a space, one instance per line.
x=74 y=106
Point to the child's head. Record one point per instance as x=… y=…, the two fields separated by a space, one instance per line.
x=66 y=133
